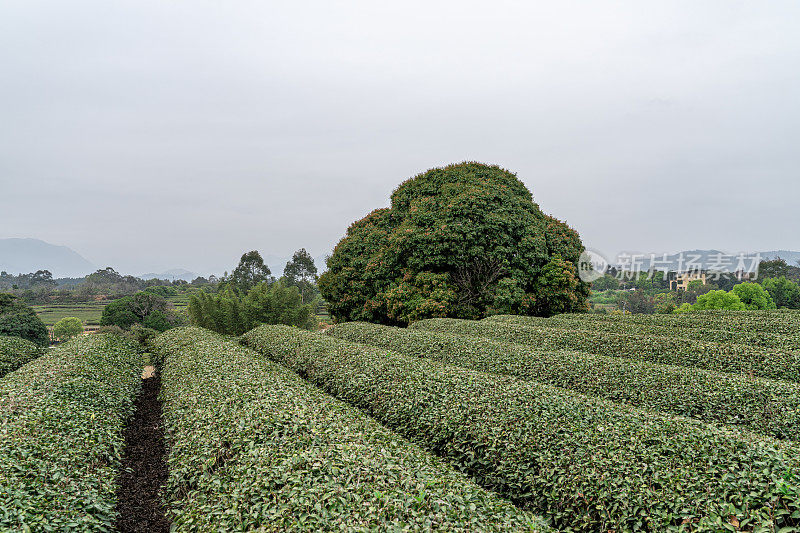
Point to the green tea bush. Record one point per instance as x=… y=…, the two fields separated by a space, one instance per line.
x=731 y=358
x=781 y=321
x=15 y=352
x=253 y=445
x=655 y=325
x=766 y=406
x=61 y=435
x=586 y=463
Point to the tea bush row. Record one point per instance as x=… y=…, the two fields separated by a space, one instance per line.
x=781 y=322
x=15 y=352
x=766 y=406
x=652 y=325
x=585 y=463
x=61 y=435
x=731 y=358
x=252 y=445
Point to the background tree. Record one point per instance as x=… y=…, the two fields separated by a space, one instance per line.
x=147 y=309
x=695 y=289
x=250 y=272
x=605 y=283
x=230 y=313
x=119 y=313
x=301 y=272
x=637 y=302
x=67 y=327
x=664 y=302
x=775 y=268
x=465 y=241
x=753 y=296
x=718 y=300
x=785 y=293
x=19 y=320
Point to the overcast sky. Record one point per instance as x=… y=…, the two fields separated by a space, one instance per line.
x=149 y=135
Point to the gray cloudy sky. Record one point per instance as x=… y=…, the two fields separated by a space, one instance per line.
x=149 y=135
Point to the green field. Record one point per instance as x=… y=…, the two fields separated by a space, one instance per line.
x=90 y=312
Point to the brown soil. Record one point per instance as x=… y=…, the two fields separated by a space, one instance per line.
x=144 y=467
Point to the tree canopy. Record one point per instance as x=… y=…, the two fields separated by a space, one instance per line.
x=150 y=310
x=718 y=300
x=753 y=296
x=250 y=271
x=784 y=292
x=301 y=272
x=466 y=240
x=19 y=320
x=775 y=268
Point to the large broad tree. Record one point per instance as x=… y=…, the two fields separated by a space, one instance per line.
x=466 y=240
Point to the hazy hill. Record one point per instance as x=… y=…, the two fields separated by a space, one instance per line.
x=21 y=256
x=708 y=257
x=171 y=274
x=787 y=255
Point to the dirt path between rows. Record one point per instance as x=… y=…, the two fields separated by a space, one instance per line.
x=144 y=467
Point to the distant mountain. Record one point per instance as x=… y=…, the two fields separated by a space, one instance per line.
x=21 y=256
x=790 y=257
x=171 y=274
x=705 y=258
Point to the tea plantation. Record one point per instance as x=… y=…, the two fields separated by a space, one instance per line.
x=572 y=423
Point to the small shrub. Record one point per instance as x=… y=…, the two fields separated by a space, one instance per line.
x=67 y=327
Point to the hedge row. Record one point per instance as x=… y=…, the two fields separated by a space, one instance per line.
x=731 y=358
x=587 y=464
x=252 y=445
x=61 y=421
x=15 y=352
x=766 y=406
x=653 y=325
x=781 y=322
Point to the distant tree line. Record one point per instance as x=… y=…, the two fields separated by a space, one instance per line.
x=41 y=288
x=776 y=287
